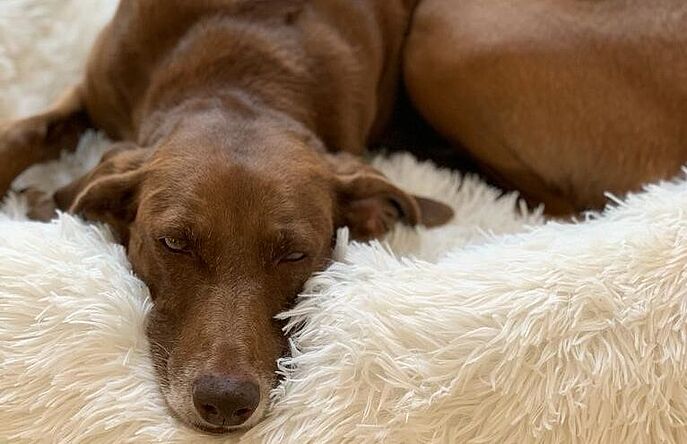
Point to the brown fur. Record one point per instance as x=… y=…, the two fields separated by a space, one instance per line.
x=237 y=123
x=560 y=99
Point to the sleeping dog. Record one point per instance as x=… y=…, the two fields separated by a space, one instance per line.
x=238 y=128
x=239 y=125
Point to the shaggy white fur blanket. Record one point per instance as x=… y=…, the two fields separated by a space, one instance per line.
x=563 y=333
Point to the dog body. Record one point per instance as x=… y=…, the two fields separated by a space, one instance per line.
x=563 y=100
x=330 y=65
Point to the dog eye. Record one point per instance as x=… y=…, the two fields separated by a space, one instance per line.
x=296 y=256
x=175 y=244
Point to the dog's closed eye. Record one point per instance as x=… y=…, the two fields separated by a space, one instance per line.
x=295 y=256
x=176 y=244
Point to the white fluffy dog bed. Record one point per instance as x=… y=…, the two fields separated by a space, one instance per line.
x=563 y=333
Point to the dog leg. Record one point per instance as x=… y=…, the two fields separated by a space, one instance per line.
x=41 y=206
x=40 y=138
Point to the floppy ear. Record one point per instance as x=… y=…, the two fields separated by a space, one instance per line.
x=370 y=205
x=109 y=193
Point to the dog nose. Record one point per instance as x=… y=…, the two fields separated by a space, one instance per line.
x=225 y=401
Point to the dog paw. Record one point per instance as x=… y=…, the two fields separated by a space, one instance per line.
x=42 y=206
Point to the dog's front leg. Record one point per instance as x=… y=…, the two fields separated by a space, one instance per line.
x=42 y=137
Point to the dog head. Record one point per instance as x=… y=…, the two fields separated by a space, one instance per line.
x=225 y=222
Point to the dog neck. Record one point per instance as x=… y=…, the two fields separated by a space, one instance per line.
x=328 y=85
x=231 y=113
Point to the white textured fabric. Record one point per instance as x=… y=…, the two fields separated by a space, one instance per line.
x=562 y=333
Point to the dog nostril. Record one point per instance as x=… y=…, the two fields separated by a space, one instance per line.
x=209 y=409
x=243 y=412
x=225 y=401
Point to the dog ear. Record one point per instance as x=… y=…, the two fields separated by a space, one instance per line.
x=369 y=204
x=109 y=193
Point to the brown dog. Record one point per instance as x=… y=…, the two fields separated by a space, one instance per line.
x=560 y=99
x=225 y=186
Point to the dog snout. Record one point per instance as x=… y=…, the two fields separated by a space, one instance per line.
x=225 y=401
